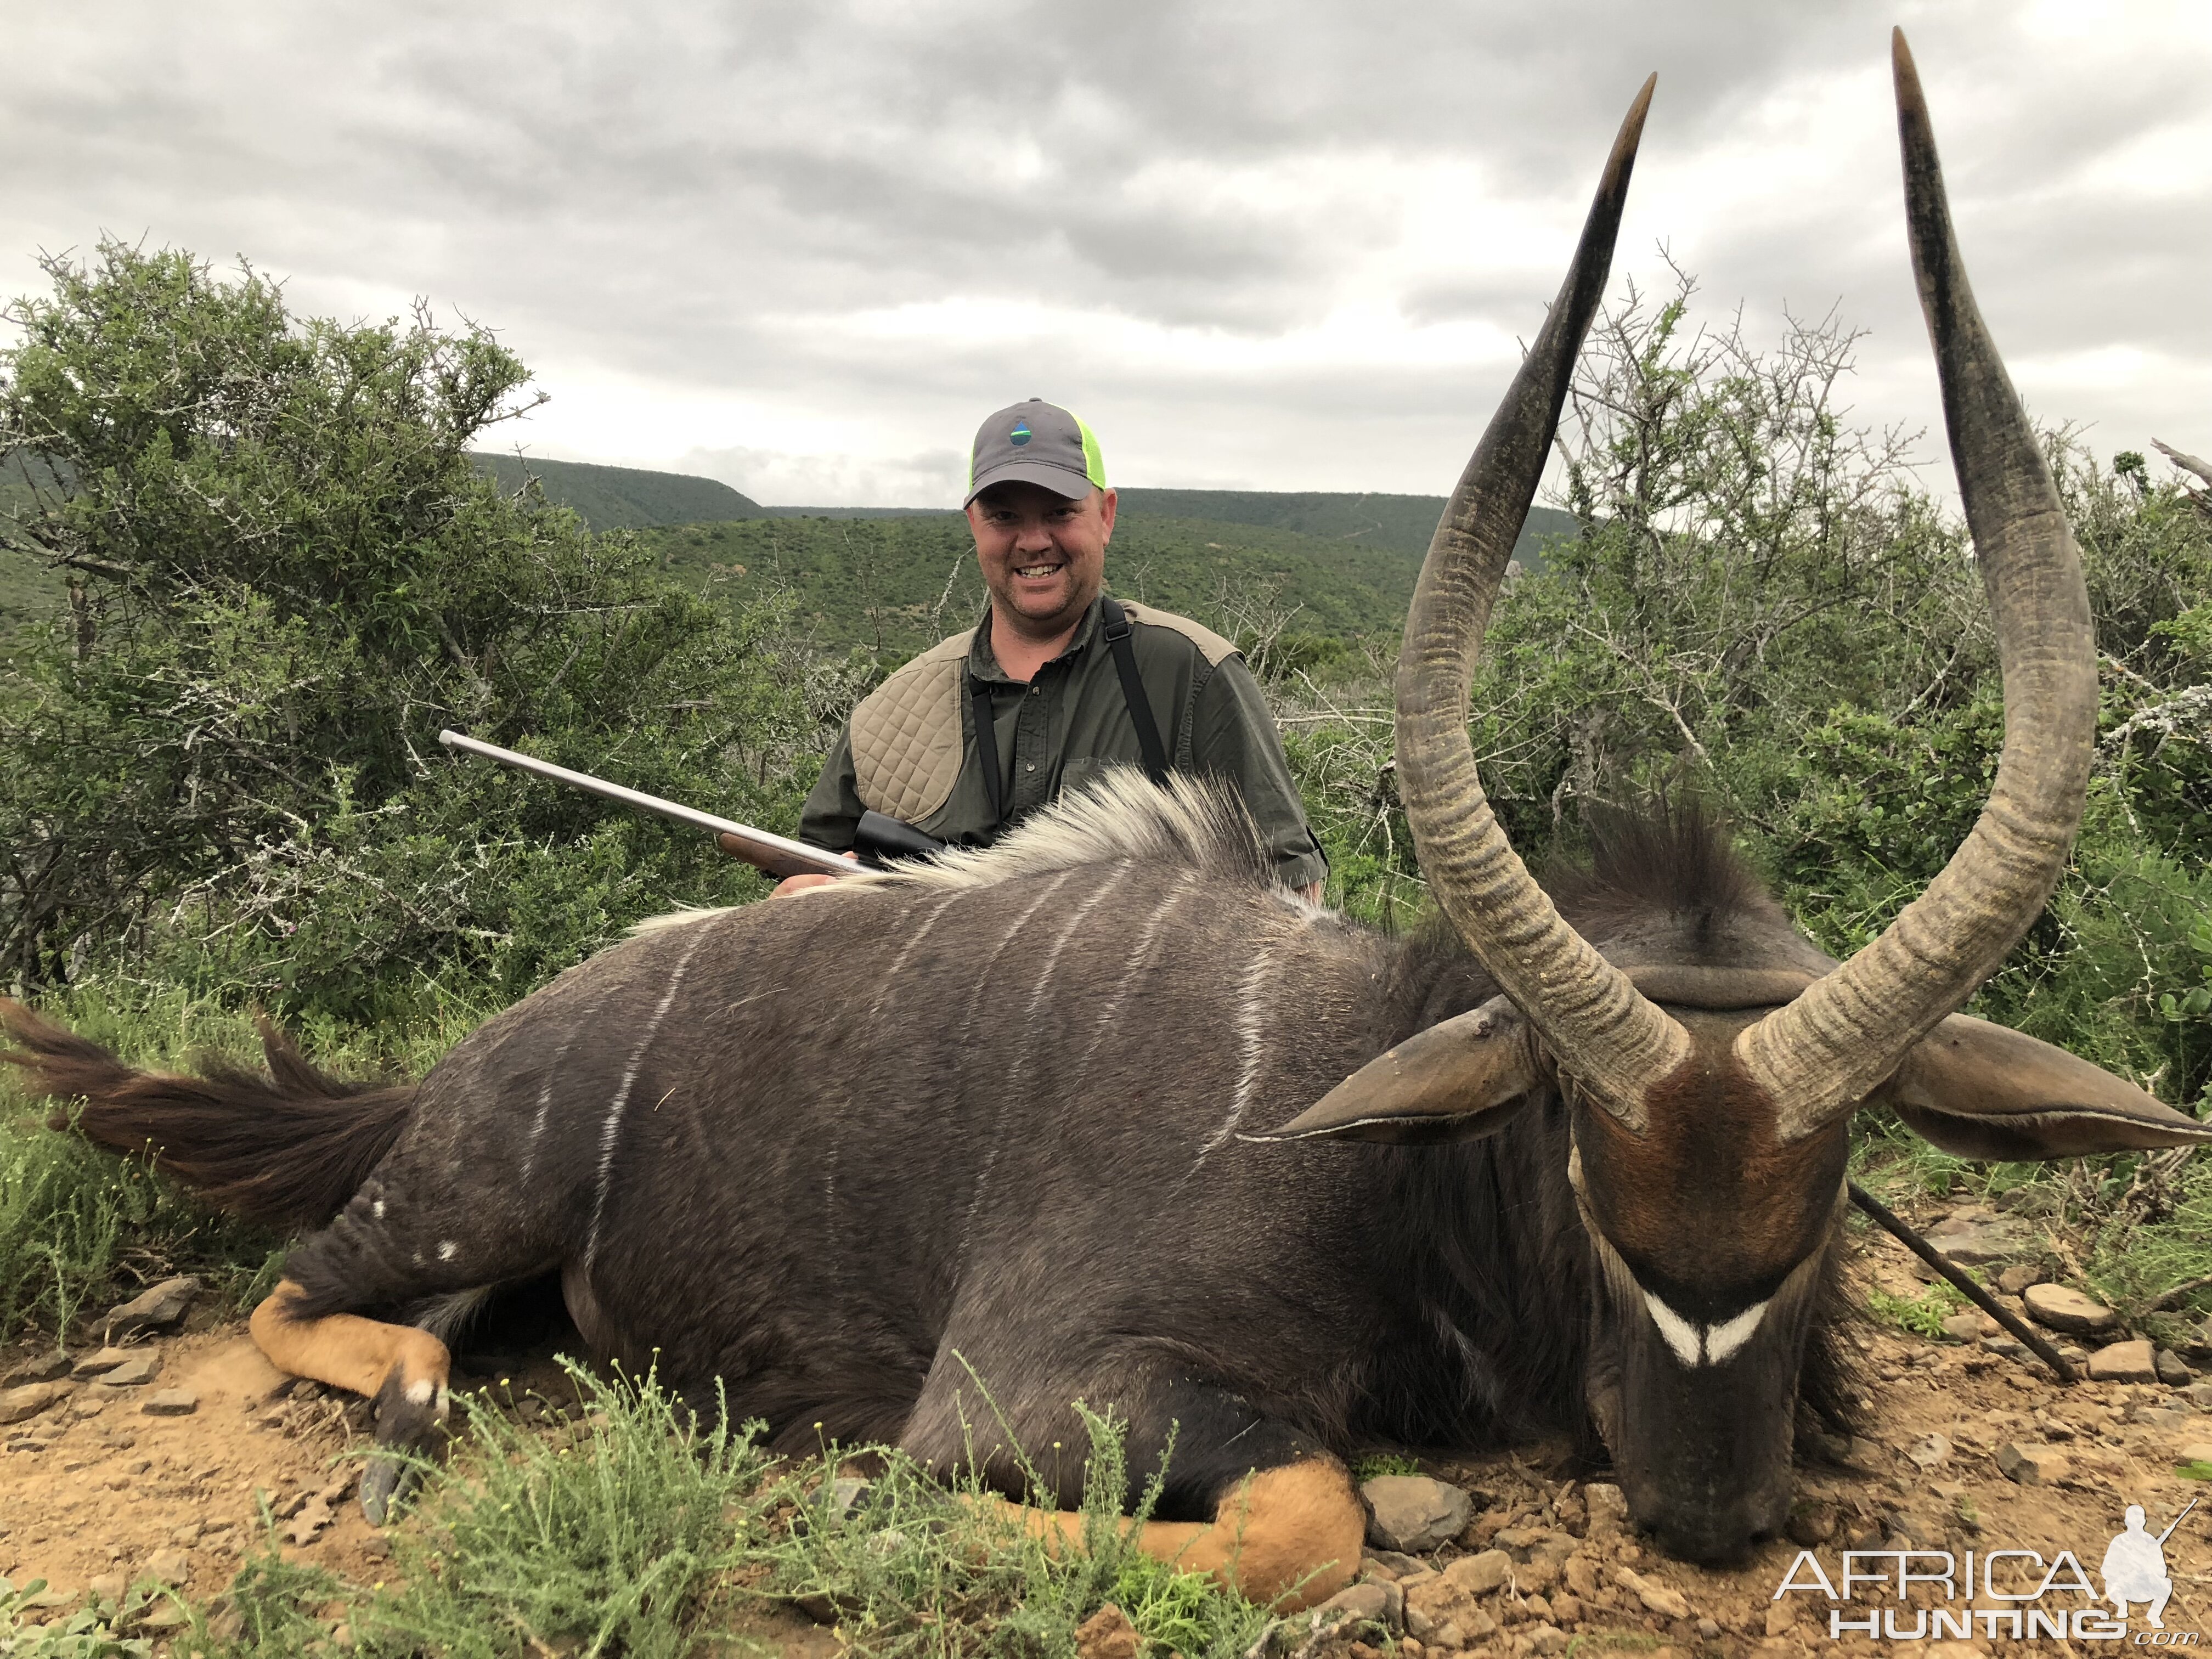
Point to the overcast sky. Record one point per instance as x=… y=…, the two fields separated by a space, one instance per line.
x=806 y=247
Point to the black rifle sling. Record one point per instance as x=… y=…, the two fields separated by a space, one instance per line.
x=1116 y=622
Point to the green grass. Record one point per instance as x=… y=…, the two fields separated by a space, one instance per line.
x=629 y=1527
x=81 y=1228
x=1378 y=1464
x=87 y=1633
x=1922 y=1315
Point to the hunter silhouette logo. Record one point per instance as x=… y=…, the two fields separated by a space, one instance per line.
x=1910 y=1595
x=2135 y=1566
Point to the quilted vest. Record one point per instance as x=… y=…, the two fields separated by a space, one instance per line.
x=909 y=741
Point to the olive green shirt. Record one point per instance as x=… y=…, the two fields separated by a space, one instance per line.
x=1070 y=723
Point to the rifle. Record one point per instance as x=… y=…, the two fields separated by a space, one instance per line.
x=877 y=839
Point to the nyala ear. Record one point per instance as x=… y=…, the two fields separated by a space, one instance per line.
x=1459 y=1081
x=1980 y=1090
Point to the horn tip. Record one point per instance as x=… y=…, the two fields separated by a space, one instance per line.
x=1633 y=124
x=1906 y=72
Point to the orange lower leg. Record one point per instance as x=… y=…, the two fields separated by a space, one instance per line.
x=1288 y=1538
x=348 y=1351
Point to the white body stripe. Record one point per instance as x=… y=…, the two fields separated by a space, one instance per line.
x=610 y=1130
x=546 y=1094
x=1251 y=1031
x=998 y=1136
x=1140 y=957
x=891 y=974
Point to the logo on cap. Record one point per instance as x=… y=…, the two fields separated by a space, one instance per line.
x=1020 y=435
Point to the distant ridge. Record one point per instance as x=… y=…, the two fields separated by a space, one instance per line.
x=623 y=497
x=634 y=498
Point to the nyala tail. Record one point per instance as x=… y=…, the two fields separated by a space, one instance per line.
x=288 y=1148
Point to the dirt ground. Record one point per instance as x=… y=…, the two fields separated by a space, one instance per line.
x=95 y=1492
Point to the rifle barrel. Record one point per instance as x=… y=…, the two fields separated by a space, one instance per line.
x=779 y=855
x=2176 y=1522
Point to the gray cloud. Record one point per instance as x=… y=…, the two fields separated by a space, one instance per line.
x=804 y=245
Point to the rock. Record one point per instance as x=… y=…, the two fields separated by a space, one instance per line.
x=1968 y=1326
x=1479 y=1575
x=2171 y=1369
x=1373 y=1603
x=101 y=1362
x=1974 y=1237
x=31 y=1398
x=165 y=1614
x=2163 y=1416
x=42 y=1367
x=1411 y=1513
x=2013 y=1279
x=1609 y=1510
x=1811 y=1522
x=375 y=1547
x=167 y=1567
x=1930 y=1451
x=161 y=1307
x=2031 y=1466
x=1710 y=1629
x=1439 y=1600
x=1390 y=1563
x=1106 y=1634
x=1547 y=1639
x=2199 y=1394
x=2123 y=1362
x=172 y=1402
x=1580 y=1573
x=834 y=1502
x=1660 y=1598
x=314 y=1515
x=130 y=1373
x=108 y=1587
x=2060 y=1308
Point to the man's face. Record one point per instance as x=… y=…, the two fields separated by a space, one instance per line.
x=1043 y=555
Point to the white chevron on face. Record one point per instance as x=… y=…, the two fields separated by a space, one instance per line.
x=1710 y=1345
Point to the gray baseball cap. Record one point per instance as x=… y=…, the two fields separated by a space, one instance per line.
x=1039 y=443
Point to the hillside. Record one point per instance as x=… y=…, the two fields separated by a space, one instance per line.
x=621 y=497
x=629 y=498
x=1341 y=564
x=898 y=584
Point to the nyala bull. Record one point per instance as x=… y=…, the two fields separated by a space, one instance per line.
x=1097 y=1114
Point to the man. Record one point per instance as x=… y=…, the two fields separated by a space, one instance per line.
x=2134 y=1567
x=1062 y=681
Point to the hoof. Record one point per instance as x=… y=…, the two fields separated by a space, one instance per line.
x=410 y=1430
x=385 y=1482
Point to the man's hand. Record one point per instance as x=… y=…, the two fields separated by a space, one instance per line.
x=791 y=885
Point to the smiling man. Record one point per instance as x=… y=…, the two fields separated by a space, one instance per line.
x=1061 y=680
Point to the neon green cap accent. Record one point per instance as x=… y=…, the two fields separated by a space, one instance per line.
x=1094 y=464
